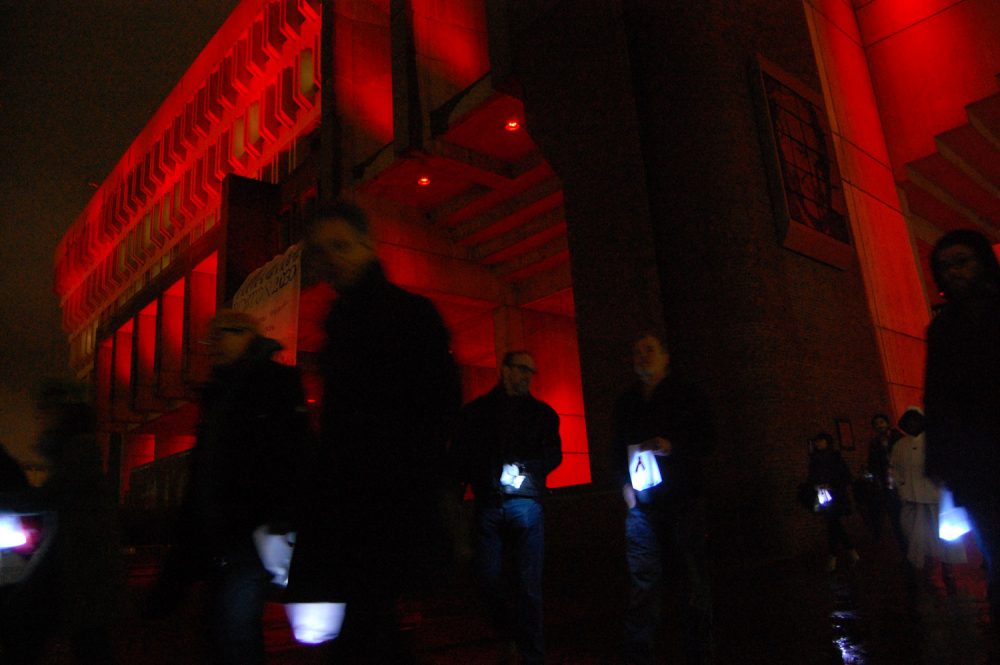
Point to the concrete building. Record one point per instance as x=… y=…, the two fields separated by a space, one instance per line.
x=763 y=179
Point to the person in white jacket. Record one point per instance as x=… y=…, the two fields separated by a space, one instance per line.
x=921 y=499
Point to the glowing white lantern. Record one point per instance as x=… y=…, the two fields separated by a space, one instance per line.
x=823 y=497
x=643 y=469
x=953 y=521
x=11 y=533
x=315 y=623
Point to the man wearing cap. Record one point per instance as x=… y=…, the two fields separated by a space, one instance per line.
x=249 y=444
x=505 y=444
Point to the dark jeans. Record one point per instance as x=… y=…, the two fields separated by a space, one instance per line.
x=649 y=537
x=238 y=592
x=836 y=534
x=517 y=523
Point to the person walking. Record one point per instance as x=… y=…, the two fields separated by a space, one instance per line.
x=373 y=527
x=664 y=425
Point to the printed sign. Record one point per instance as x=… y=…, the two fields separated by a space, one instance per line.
x=643 y=468
x=271 y=295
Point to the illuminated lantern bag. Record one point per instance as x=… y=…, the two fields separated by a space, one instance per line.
x=312 y=623
x=643 y=469
x=23 y=542
x=953 y=521
x=12 y=535
x=824 y=498
x=315 y=623
x=511 y=476
x=275 y=552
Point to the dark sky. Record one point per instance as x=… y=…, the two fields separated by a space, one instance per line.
x=78 y=81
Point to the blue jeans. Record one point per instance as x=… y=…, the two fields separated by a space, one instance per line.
x=517 y=523
x=648 y=537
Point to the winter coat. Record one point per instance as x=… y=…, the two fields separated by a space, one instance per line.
x=249 y=449
x=878 y=456
x=908 y=471
x=962 y=399
x=678 y=412
x=497 y=429
x=391 y=389
x=827 y=468
x=81 y=572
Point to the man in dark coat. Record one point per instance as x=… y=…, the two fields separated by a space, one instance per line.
x=244 y=472
x=962 y=397
x=390 y=387
x=665 y=416
x=505 y=444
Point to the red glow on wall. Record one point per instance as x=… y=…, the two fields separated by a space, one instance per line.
x=362 y=73
x=145 y=339
x=201 y=309
x=450 y=39
x=552 y=338
x=172 y=444
x=928 y=60
x=139 y=449
x=121 y=387
x=251 y=90
x=171 y=325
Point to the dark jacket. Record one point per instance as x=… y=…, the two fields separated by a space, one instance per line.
x=391 y=389
x=827 y=467
x=678 y=412
x=80 y=576
x=879 y=451
x=962 y=399
x=12 y=476
x=249 y=448
x=497 y=429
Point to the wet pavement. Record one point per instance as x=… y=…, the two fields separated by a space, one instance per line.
x=789 y=611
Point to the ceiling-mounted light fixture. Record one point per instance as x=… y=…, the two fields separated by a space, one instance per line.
x=513 y=124
x=423 y=180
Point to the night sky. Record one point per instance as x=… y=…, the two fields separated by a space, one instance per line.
x=78 y=81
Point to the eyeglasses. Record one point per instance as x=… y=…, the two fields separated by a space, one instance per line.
x=524 y=368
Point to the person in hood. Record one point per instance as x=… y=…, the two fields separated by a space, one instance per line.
x=962 y=389
x=245 y=463
x=506 y=443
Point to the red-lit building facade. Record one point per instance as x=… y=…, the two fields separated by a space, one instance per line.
x=764 y=180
